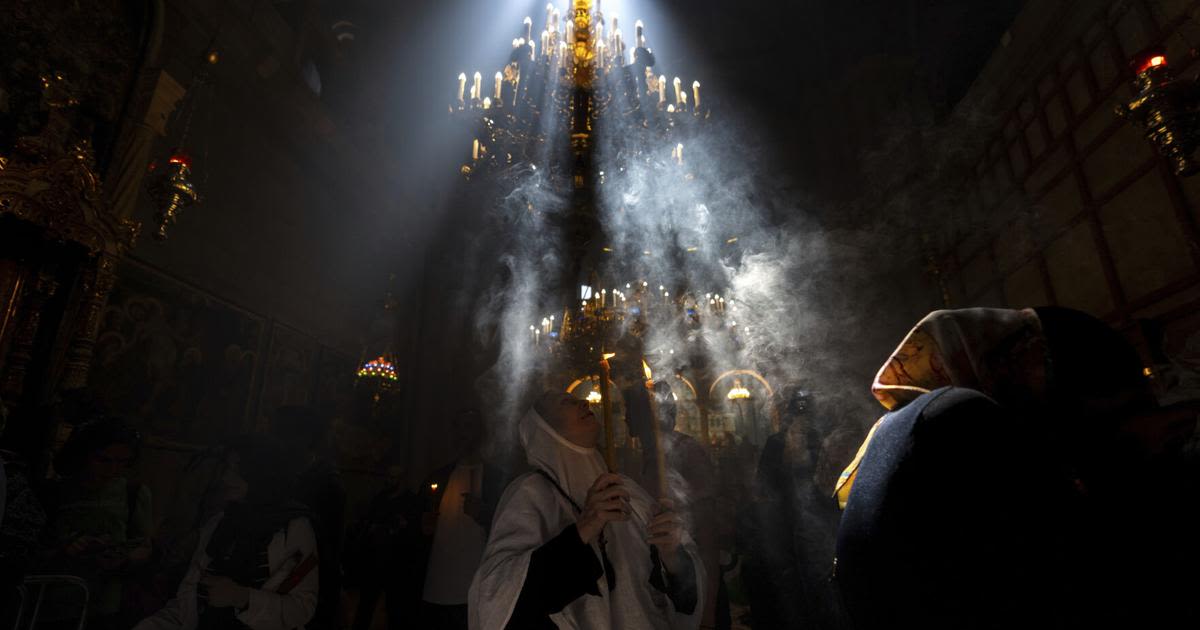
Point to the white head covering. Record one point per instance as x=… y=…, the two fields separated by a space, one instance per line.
x=532 y=512
x=574 y=467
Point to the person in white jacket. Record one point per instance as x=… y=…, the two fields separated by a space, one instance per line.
x=256 y=562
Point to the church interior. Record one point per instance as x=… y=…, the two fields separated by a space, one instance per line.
x=345 y=249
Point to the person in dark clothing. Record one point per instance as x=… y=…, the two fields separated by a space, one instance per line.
x=460 y=499
x=256 y=565
x=974 y=503
x=304 y=431
x=772 y=577
x=573 y=545
x=100 y=521
x=691 y=482
x=791 y=554
x=198 y=497
x=775 y=480
x=385 y=558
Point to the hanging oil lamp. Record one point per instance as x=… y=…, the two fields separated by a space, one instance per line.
x=1166 y=108
x=173 y=191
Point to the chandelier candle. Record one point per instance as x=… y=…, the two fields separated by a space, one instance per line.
x=660 y=458
x=610 y=453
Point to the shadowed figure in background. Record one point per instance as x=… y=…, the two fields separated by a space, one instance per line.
x=691 y=481
x=459 y=499
x=256 y=564
x=22 y=518
x=100 y=521
x=304 y=432
x=574 y=546
x=383 y=554
x=791 y=551
x=1008 y=485
x=199 y=495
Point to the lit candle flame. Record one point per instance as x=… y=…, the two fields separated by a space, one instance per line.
x=649 y=374
x=1152 y=62
x=433 y=487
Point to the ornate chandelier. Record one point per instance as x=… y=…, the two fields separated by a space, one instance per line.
x=582 y=73
x=578 y=74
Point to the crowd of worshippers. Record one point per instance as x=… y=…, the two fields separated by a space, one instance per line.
x=1022 y=474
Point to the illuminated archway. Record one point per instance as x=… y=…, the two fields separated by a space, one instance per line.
x=751 y=373
x=689 y=385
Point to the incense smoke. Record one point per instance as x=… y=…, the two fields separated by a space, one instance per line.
x=804 y=304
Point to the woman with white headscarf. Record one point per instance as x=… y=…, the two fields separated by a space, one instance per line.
x=574 y=546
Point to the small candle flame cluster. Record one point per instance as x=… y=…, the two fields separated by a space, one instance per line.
x=546 y=329
x=582 y=51
x=379 y=368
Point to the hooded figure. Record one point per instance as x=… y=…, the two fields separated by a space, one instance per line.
x=976 y=502
x=537 y=571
